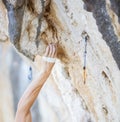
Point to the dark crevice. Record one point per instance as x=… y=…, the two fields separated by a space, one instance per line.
x=31 y=7
x=15 y=17
x=103 y=20
x=51 y=26
x=39 y=23
x=104 y=74
x=89 y=5
x=104 y=108
x=28 y=54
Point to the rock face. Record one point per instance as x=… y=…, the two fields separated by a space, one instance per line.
x=3 y=23
x=32 y=25
x=6 y=102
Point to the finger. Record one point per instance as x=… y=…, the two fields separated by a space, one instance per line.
x=56 y=48
x=47 y=51
x=53 y=51
x=50 y=51
x=56 y=44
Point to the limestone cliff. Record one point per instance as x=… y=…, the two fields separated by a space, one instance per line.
x=66 y=96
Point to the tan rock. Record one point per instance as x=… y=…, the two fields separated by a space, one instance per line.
x=3 y=23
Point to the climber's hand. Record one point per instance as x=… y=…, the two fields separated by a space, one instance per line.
x=49 y=58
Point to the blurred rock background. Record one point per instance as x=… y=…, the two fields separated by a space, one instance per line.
x=14 y=73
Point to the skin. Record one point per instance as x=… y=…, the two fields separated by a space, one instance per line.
x=23 y=113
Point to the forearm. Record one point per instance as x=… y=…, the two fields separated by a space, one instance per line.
x=32 y=92
x=30 y=95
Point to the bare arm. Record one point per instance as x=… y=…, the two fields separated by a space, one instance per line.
x=34 y=88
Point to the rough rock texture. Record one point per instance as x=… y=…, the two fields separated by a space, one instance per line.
x=103 y=20
x=67 y=97
x=3 y=23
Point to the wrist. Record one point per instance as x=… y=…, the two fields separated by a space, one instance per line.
x=45 y=73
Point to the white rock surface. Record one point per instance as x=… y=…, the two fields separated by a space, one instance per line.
x=65 y=97
x=6 y=98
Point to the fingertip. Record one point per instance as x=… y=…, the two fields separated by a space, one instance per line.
x=53 y=51
x=47 y=50
x=56 y=44
x=55 y=55
x=50 y=51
